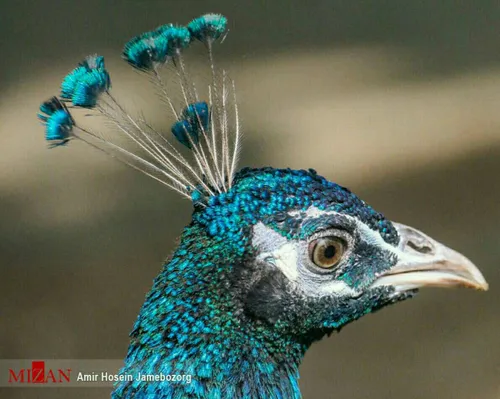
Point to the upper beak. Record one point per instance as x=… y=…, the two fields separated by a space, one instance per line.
x=424 y=262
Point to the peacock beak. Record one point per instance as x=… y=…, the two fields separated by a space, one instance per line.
x=424 y=262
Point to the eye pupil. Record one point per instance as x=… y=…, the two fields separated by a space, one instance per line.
x=330 y=252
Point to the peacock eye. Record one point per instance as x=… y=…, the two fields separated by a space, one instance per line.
x=326 y=252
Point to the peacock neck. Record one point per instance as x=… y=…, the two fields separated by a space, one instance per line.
x=193 y=323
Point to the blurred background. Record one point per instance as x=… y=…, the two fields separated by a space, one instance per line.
x=398 y=100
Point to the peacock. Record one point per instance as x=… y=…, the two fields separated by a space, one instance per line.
x=272 y=260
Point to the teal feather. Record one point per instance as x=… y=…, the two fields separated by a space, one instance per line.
x=208 y=27
x=57 y=120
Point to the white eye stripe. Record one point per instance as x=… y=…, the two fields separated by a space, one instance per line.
x=369 y=235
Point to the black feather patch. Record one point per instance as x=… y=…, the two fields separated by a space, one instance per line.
x=267 y=298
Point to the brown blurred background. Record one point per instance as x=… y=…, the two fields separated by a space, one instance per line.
x=398 y=100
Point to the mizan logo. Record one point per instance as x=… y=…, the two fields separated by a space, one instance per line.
x=37 y=374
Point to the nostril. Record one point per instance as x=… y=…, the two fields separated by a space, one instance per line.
x=420 y=247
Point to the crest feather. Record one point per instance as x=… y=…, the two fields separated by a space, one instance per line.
x=202 y=125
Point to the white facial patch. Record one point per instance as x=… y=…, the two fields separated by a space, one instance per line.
x=336 y=287
x=289 y=256
x=284 y=258
x=276 y=249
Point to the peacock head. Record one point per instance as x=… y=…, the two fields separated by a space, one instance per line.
x=310 y=256
x=285 y=254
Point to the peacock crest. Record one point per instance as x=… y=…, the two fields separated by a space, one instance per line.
x=208 y=127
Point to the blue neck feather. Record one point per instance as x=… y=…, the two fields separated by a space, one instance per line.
x=191 y=323
x=195 y=320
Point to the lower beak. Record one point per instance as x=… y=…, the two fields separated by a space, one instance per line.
x=424 y=262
